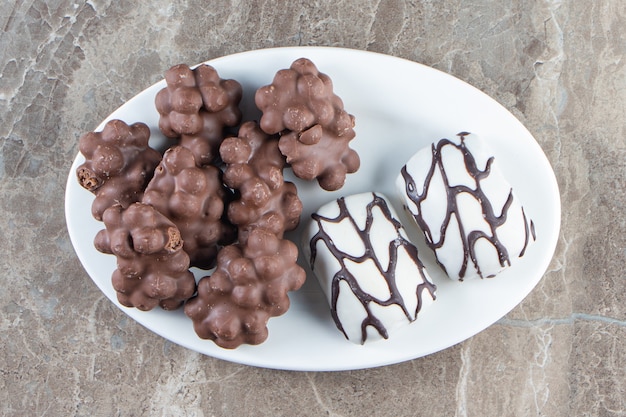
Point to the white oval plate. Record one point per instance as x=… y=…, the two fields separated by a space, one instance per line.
x=400 y=107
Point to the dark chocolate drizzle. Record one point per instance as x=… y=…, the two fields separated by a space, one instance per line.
x=387 y=271
x=468 y=239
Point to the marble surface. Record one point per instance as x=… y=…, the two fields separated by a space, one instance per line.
x=559 y=66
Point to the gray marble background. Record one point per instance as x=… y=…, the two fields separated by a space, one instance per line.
x=559 y=66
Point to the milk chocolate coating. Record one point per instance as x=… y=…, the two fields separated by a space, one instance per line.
x=299 y=98
x=194 y=199
x=315 y=130
x=152 y=268
x=196 y=106
x=254 y=167
x=320 y=154
x=118 y=164
x=252 y=277
x=249 y=285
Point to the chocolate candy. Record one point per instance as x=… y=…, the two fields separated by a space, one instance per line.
x=315 y=130
x=320 y=154
x=118 y=164
x=193 y=198
x=469 y=214
x=152 y=268
x=252 y=277
x=196 y=106
x=179 y=220
x=299 y=98
x=254 y=167
x=249 y=286
x=368 y=269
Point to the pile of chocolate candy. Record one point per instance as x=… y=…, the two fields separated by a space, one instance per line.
x=220 y=200
x=215 y=200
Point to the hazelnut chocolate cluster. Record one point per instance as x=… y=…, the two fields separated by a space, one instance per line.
x=315 y=130
x=152 y=267
x=196 y=106
x=249 y=286
x=214 y=200
x=193 y=198
x=118 y=164
x=253 y=277
x=254 y=167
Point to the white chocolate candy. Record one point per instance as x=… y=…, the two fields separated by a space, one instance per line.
x=470 y=216
x=368 y=269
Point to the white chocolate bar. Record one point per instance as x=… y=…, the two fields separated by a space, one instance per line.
x=366 y=266
x=467 y=210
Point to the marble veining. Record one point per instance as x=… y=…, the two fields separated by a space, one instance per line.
x=558 y=66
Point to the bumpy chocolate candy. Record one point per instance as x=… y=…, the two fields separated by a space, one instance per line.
x=252 y=277
x=315 y=129
x=322 y=155
x=193 y=198
x=196 y=106
x=118 y=164
x=249 y=286
x=152 y=268
x=254 y=167
x=299 y=98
